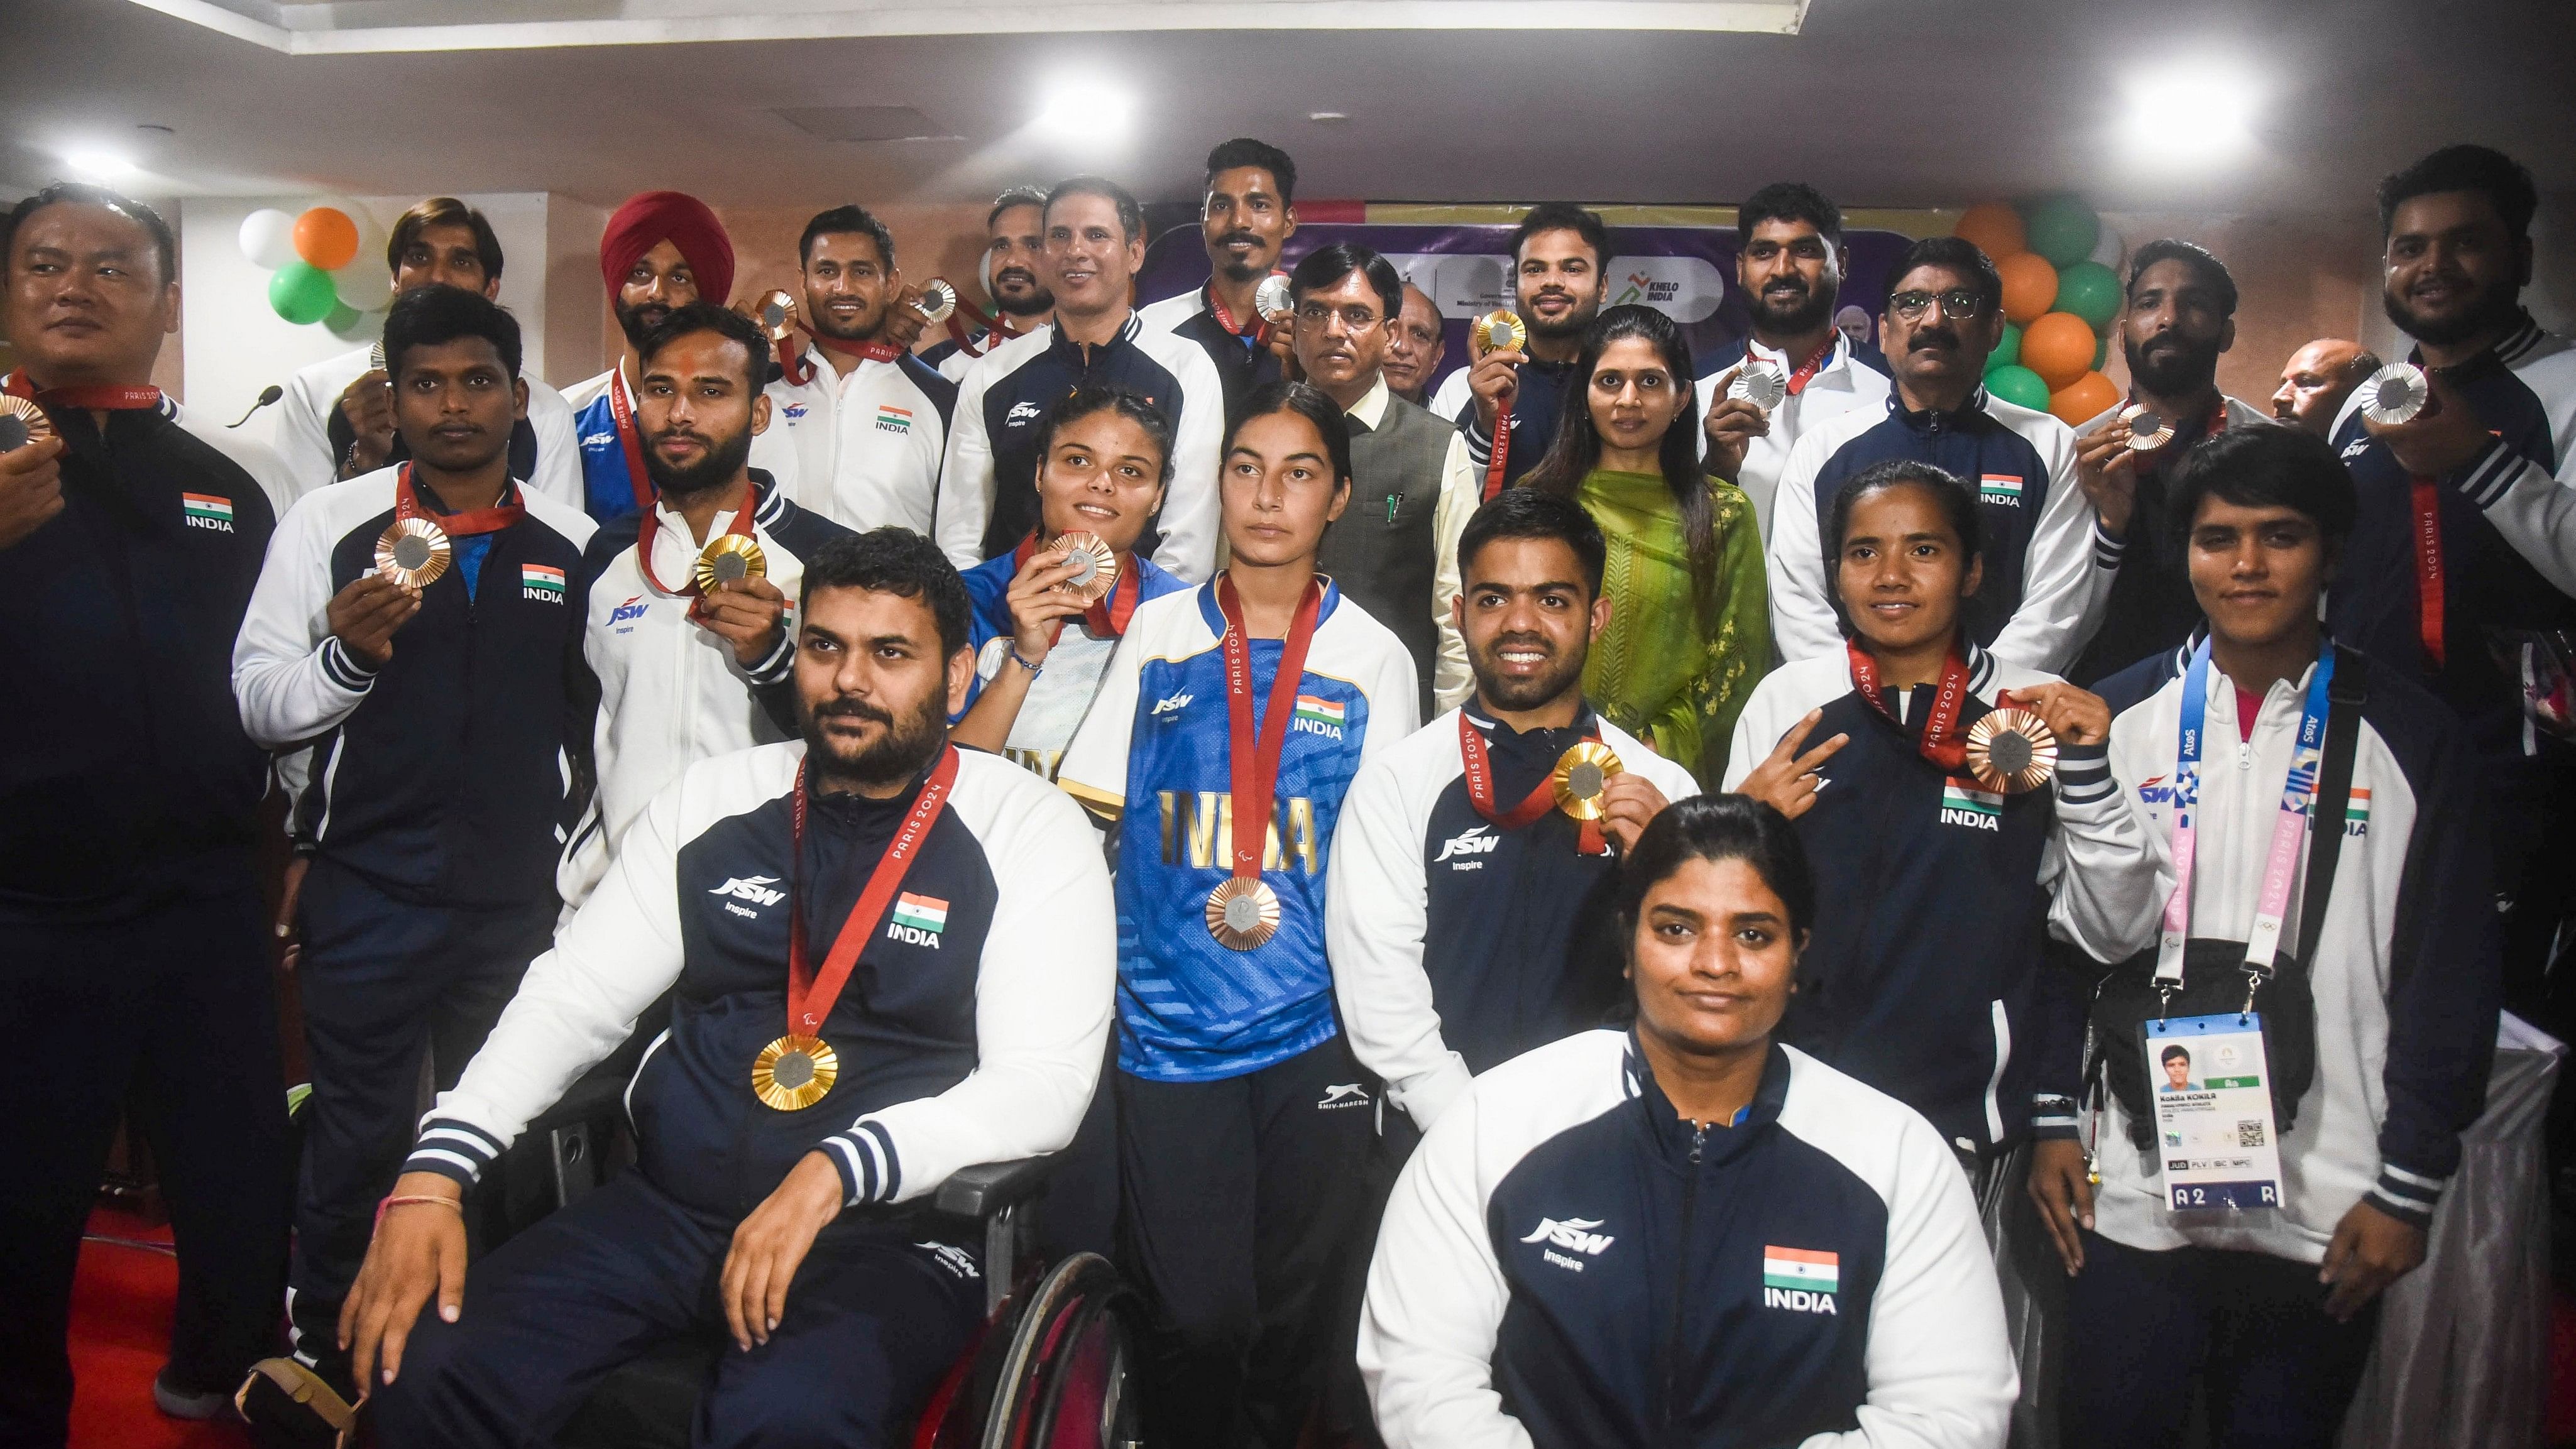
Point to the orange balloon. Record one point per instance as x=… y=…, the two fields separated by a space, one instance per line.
x=1995 y=227
x=326 y=238
x=2085 y=398
x=2059 y=347
x=2030 y=285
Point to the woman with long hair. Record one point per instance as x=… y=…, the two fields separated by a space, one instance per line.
x=1690 y=619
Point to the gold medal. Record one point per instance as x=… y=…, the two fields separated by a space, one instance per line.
x=21 y=423
x=1500 y=330
x=794 y=1072
x=729 y=557
x=2395 y=394
x=1243 y=914
x=775 y=311
x=2012 y=750
x=1761 y=383
x=1272 y=301
x=1582 y=775
x=413 y=553
x=938 y=300
x=1095 y=564
x=2147 y=432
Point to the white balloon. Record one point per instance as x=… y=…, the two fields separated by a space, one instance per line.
x=362 y=284
x=2109 y=249
x=268 y=237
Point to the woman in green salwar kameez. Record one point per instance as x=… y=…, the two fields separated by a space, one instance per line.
x=1690 y=620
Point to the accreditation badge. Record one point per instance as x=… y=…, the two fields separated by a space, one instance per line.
x=2212 y=1087
x=729 y=557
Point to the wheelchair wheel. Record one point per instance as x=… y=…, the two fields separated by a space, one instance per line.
x=1063 y=1383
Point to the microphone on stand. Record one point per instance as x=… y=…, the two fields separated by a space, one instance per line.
x=267 y=395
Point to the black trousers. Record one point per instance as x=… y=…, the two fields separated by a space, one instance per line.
x=872 y=1321
x=383 y=981
x=2275 y=1371
x=1240 y=1202
x=177 y=1004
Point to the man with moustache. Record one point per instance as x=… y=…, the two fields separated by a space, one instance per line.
x=447 y=712
x=2047 y=568
x=2317 y=379
x=1245 y=219
x=1014 y=247
x=865 y=420
x=336 y=420
x=2462 y=568
x=1381 y=550
x=133 y=963
x=1415 y=347
x=988 y=501
x=685 y=674
x=1558 y=253
x=2179 y=319
x=1789 y=263
x=783 y=1183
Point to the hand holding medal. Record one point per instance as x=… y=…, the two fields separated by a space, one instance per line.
x=2432 y=429
x=1495 y=341
x=1057 y=581
x=31 y=479
x=1737 y=415
x=2014 y=748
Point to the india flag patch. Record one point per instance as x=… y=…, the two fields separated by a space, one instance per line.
x=1817 y=1272
x=2003 y=488
x=207 y=505
x=1320 y=711
x=537 y=578
x=1958 y=794
x=922 y=913
x=894 y=419
x=2357 y=810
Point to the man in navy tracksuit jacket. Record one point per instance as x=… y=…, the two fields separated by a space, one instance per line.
x=450 y=761
x=1558 y=253
x=131 y=948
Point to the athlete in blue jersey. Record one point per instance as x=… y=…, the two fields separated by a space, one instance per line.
x=1244 y=1120
x=662 y=250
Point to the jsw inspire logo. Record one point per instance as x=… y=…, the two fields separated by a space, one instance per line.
x=1575 y=1235
x=1474 y=840
x=755 y=889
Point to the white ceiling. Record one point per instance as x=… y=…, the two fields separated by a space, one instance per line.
x=1882 y=102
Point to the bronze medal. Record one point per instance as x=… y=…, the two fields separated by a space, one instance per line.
x=775 y=311
x=1243 y=913
x=2147 y=432
x=938 y=300
x=729 y=557
x=413 y=552
x=1500 y=330
x=1582 y=774
x=2396 y=394
x=21 y=423
x=1095 y=564
x=794 y=1072
x=1761 y=383
x=2012 y=751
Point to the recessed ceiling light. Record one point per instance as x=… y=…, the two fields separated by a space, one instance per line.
x=1086 y=111
x=2191 y=116
x=1328 y=116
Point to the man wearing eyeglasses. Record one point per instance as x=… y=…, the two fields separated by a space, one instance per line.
x=2047 y=566
x=1382 y=549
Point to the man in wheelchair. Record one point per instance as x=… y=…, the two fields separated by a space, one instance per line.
x=890 y=960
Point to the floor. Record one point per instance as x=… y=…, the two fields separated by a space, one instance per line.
x=120 y=1334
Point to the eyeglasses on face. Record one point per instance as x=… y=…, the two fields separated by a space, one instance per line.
x=1957 y=302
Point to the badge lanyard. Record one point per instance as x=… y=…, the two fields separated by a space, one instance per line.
x=1943 y=744
x=2298 y=796
x=811 y=994
x=1107 y=617
x=456 y=525
x=651 y=529
x=1252 y=761
x=622 y=409
x=1480 y=791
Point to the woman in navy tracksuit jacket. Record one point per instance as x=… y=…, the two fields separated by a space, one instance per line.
x=1684 y=1233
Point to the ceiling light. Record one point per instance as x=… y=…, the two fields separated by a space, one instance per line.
x=97 y=166
x=1085 y=112
x=1328 y=116
x=2190 y=117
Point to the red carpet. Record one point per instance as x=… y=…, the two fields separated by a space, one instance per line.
x=120 y=1337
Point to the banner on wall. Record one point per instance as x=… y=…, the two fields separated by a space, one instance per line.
x=1680 y=260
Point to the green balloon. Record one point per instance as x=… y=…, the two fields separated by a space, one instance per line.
x=2062 y=229
x=301 y=294
x=2008 y=351
x=2015 y=383
x=2091 y=291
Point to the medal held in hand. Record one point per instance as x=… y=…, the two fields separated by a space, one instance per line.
x=728 y=557
x=938 y=300
x=1581 y=777
x=2396 y=394
x=1272 y=302
x=21 y=423
x=414 y=552
x=2147 y=432
x=1243 y=911
x=376 y=358
x=1761 y=383
x=1095 y=565
x=1500 y=330
x=776 y=314
x=2012 y=751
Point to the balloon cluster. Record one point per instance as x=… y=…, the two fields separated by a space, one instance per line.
x=2061 y=291
x=325 y=263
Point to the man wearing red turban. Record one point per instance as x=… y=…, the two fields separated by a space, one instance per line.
x=662 y=251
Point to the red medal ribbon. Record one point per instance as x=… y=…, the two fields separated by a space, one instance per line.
x=811 y=995
x=622 y=409
x=962 y=322
x=1260 y=333
x=862 y=351
x=457 y=525
x=97 y=398
x=1499 y=453
x=2428 y=568
x=1252 y=761
x=1480 y=791
x=1108 y=615
x=651 y=529
x=1943 y=744
x=1806 y=372
x=792 y=366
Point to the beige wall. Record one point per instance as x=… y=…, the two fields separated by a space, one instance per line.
x=2298 y=278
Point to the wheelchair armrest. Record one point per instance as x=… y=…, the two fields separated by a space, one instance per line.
x=987 y=1188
